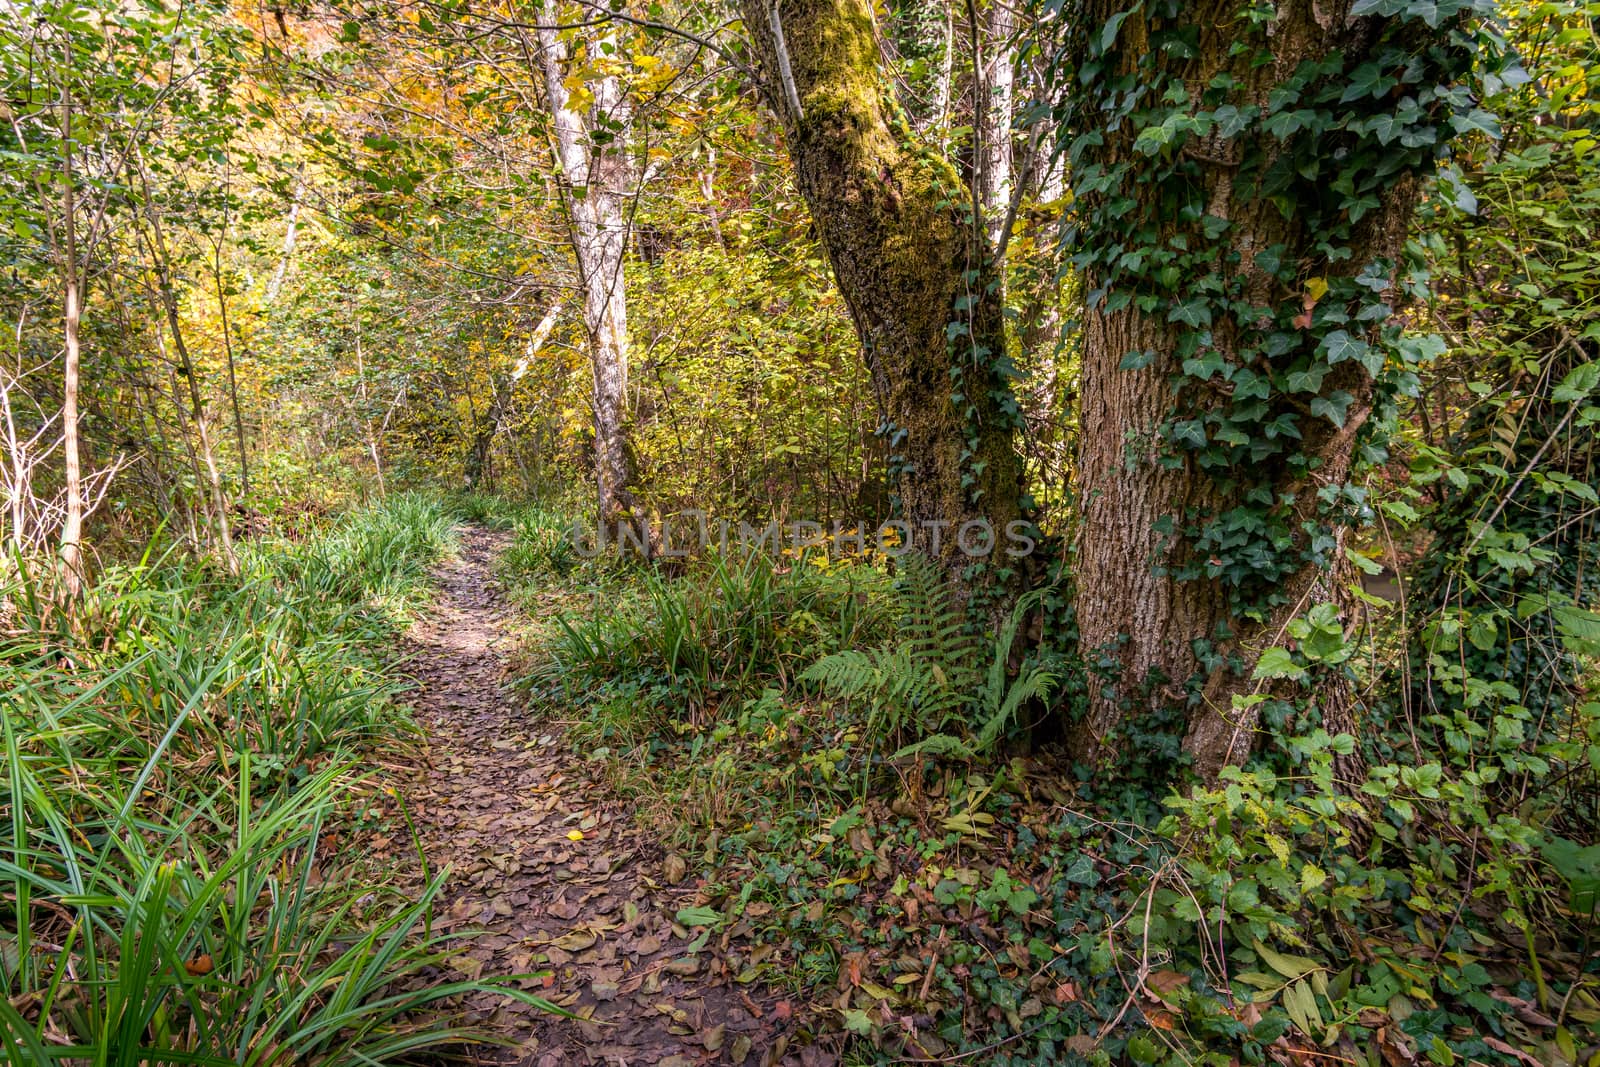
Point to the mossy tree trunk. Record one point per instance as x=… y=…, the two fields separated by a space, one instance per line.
x=896 y=221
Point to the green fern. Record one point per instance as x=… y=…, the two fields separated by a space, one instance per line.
x=931 y=686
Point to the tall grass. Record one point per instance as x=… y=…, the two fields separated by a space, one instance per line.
x=174 y=760
x=728 y=627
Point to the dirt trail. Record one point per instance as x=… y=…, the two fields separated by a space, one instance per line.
x=555 y=876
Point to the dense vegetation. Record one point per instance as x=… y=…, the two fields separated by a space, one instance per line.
x=176 y=753
x=1265 y=333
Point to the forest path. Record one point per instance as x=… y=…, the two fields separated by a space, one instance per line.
x=553 y=873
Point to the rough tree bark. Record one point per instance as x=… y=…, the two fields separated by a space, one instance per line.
x=1132 y=611
x=895 y=220
x=596 y=179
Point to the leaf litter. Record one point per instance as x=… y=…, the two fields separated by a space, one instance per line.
x=550 y=877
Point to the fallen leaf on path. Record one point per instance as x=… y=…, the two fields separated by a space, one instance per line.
x=576 y=941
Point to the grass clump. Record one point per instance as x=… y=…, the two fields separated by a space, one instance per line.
x=177 y=760
x=683 y=648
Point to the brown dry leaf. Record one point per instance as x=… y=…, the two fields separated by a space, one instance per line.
x=576 y=941
x=674 y=869
x=1525 y=1010
x=1164 y=984
x=852 y=967
x=712 y=1039
x=1396 y=1053
x=1510 y=1050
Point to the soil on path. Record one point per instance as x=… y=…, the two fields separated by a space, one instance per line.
x=553 y=876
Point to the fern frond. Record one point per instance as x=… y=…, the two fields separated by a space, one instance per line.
x=939 y=746
x=847 y=674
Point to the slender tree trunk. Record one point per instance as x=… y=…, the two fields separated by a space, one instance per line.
x=20 y=476
x=995 y=107
x=71 y=319
x=923 y=32
x=366 y=416
x=290 y=230
x=708 y=193
x=233 y=375
x=897 y=225
x=167 y=296
x=597 y=179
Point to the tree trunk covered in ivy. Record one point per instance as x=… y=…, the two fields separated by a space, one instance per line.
x=1244 y=179
x=896 y=222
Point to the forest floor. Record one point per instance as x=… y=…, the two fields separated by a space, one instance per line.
x=549 y=872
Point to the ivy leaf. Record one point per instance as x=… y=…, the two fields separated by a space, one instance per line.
x=1339 y=346
x=857 y=1021
x=1108 y=32
x=1385 y=127
x=1191 y=432
x=1153 y=139
x=1203 y=367
x=1191 y=313
x=1231 y=120
x=1278 y=663
x=1477 y=121
x=1306 y=380
x=1366 y=80
x=1333 y=408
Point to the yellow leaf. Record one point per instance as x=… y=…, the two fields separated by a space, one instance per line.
x=574 y=835
x=1317 y=287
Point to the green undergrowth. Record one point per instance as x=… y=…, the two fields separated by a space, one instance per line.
x=967 y=899
x=181 y=756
